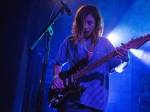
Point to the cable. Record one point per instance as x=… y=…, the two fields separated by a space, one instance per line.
x=53 y=10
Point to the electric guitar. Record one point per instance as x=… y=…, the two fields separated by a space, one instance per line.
x=59 y=96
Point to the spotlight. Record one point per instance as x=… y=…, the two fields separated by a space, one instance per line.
x=114 y=39
x=143 y=56
x=138 y=53
x=146 y=57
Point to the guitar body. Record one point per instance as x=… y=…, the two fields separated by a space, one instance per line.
x=60 y=96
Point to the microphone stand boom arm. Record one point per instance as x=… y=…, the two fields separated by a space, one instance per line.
x=48 y=28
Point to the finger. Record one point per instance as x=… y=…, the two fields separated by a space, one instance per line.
x=59 y=84
x=125 y=45
x=121 y=54
x=124 y=52
x=53 y=87
x=118 y=49
x=121 y=57
x=124 y=49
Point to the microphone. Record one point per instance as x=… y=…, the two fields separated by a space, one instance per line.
x=68 y=10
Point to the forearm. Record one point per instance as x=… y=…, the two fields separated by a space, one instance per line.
x=57 y=68
x=56 y=81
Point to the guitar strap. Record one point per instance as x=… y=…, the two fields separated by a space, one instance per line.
x=90 y=51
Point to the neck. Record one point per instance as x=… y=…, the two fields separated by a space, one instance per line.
x=86 y=38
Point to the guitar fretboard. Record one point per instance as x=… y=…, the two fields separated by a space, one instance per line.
x=94 y=65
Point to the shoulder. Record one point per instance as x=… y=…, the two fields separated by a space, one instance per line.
x=68 y=41
x=69 y=38
x=103 y=39
x=105 y=42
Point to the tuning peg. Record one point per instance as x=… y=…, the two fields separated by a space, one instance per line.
x=132 y=39
x=144 y=36
x=122 y=44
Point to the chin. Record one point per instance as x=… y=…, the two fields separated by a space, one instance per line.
x=86 y=35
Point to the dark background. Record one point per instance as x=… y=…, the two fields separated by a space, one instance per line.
x=21 y=22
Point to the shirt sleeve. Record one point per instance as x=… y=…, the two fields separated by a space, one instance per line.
x=62 y=57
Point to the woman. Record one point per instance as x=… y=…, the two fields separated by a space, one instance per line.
x=87 y=42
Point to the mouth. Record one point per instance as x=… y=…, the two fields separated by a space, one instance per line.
x=86 y=32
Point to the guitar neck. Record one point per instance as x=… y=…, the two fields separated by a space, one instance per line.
x=94 y=65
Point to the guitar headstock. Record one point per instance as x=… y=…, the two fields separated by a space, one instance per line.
x=138 y=42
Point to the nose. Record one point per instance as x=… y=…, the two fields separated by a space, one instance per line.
x=86 y=26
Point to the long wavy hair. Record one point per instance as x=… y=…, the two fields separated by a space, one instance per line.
x=78 y=24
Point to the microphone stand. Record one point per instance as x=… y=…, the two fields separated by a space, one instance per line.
x=48 y=29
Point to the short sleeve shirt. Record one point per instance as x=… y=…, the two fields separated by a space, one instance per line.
x=96 y=81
